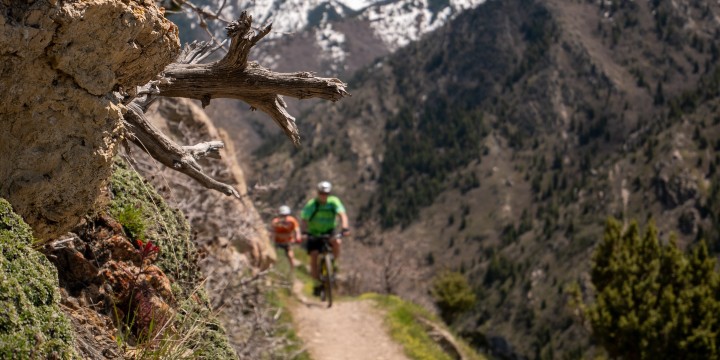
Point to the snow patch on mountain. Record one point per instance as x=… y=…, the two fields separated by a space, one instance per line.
x=357 y=4
x=290 y=16
x=402 y=22
x=331 y=42
x=395 y=23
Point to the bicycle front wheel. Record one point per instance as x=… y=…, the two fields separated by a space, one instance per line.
x=326 y=271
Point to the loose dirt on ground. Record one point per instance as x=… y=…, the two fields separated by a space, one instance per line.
x=349 y=330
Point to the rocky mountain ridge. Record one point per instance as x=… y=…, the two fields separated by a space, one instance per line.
x=334 y=30
x=332 y=38
x=499 y=144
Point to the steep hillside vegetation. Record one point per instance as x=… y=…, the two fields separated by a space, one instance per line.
x=500 y=143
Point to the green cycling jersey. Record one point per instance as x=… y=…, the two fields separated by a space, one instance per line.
x=322 y=218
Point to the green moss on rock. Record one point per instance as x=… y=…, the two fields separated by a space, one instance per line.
x=164 y=226
x=167 y=228
x=31 y=322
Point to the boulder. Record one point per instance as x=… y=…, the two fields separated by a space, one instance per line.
x=674 y=187
x=59 y=126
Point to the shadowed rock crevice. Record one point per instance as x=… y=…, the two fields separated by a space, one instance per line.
x=130 y=280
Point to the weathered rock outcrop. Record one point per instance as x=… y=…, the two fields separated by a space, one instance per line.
x=130 y=280
x=674 y=186
x=211 y=214
x=228 y=230
x=59 y=62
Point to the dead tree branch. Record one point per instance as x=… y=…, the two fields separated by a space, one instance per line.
x=235 y=78
x=230 y=77
x=164 y=150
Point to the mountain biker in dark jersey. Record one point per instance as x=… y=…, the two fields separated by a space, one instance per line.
x=318 y=218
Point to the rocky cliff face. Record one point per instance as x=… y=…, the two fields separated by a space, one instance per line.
x=59 y=63
x=62 y=64
x=228 y=231
x=213 y=215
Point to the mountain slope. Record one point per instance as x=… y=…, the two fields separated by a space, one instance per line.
x=342 y=35
x=499 y=143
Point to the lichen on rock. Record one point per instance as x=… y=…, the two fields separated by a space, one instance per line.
x=31 y=322
x=116 y=43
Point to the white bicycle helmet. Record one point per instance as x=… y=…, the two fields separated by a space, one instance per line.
x=284 y=210
x=324 y=187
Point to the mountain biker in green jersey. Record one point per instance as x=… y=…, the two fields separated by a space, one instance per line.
x=319 y=218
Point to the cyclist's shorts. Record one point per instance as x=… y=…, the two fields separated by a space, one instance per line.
x=314 y=244
x=284 y=246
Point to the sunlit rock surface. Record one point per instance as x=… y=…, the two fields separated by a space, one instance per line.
x=59 y=128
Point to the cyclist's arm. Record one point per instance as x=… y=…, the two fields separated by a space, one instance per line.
x=305 y=214
x=340 y=210
x=344 y=220
x=298 y=234
x=344 y=223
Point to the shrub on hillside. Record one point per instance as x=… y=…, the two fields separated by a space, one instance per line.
x=452 y=294
x=653 y=301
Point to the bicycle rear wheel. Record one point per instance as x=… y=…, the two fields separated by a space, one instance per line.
x=326 y=271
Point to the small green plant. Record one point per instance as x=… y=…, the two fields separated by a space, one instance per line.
x=452 y=294
x=132 y=220
x=194 y=330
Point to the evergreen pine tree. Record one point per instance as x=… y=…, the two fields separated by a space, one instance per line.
x=653 y=301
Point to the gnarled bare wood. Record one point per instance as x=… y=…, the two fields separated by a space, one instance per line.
x=230 y=77
x=164 y=150
x=206 y=149
x=236 y=78
x=443 y=338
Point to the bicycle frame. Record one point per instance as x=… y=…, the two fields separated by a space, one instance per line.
x=325 y=268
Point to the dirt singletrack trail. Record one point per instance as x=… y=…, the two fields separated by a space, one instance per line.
x=349 y=330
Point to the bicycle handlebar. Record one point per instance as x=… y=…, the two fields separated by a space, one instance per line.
x=326 y=236
x=334 y=233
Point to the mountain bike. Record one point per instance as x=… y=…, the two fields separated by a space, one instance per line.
x=325 y=268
